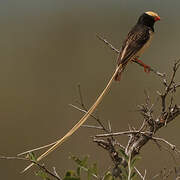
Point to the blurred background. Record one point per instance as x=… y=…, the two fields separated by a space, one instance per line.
x=47 y=47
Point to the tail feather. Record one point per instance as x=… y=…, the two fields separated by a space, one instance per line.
x=119 y=73
x=81 y=121
x=118 y=76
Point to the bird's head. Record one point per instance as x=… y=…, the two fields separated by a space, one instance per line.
x=153 y=15
x=148 y=18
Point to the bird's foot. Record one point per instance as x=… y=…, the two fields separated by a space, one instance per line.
x=146 y=67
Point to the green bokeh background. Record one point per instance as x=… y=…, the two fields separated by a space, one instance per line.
x=47 y=47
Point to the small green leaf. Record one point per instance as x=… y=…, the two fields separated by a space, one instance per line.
x=71 y=178
x=123 y=154
x=71 y=175
x=84 y=161
x=89 y=176
x=134 y=160
x=133 y=175
x=94 y=169
x=43 y=175
x=124 y=171
x=32 y=156
x=108 y=176
x=78 y=171
x=83 y=165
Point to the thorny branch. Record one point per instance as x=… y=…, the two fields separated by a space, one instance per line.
x=151 y=124
x=40 y=166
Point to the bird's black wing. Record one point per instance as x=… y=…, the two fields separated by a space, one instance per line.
x=136 y=39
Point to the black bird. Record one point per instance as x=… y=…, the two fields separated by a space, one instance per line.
x=137 y=41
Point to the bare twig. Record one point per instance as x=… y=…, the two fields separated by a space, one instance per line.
x=81 y=98
x=55 y=172
x=172 y=146
x=93 y=127
x=97 y=119
x=119 y=133
x=42 y=167
x=108 y=44
x=36 y=149
x=129 y=168
x=144 y=174
x=109 y=125
x=140 y=175
x=169 y=86
x=117 y=51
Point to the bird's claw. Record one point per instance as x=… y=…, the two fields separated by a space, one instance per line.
x=146 y=68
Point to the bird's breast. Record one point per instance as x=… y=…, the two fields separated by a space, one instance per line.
x=146 y=45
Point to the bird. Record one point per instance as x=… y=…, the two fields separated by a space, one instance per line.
x=138 y=39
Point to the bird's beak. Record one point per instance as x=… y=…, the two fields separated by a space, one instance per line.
x=157 y=18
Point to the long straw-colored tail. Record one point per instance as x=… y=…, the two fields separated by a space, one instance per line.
x=81 y=121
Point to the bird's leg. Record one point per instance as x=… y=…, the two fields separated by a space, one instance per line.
x=146 y=67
